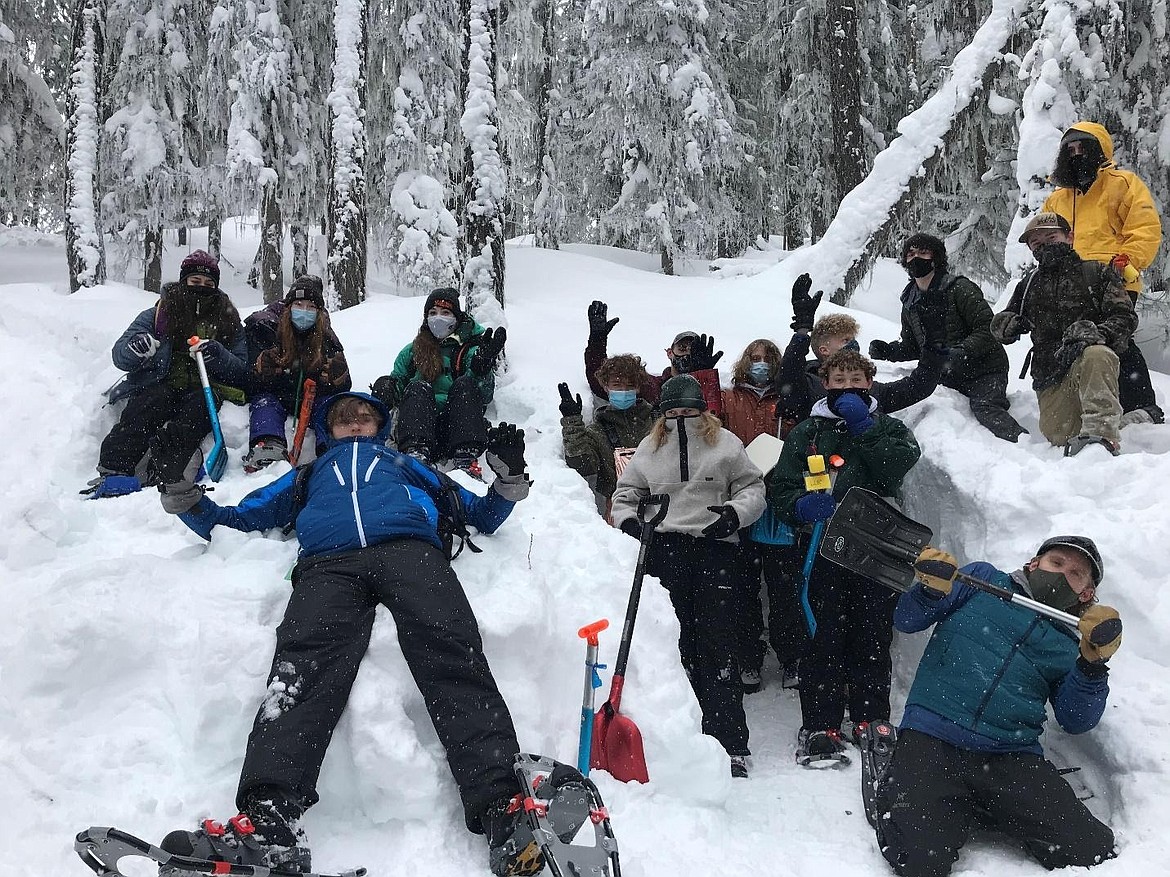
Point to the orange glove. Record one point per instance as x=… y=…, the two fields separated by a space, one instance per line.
x=936 y=569
x=1100 y=629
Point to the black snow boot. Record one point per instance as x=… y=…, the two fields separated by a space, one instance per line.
x=511 y=853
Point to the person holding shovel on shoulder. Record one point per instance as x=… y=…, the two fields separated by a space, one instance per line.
x=714 y=490
x=969 y=743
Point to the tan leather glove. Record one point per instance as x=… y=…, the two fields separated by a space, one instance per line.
x=936 y=569
x=1100 y=628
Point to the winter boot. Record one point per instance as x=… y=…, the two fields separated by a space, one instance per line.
x=234 y=843
x=739 y=767
x=791 y=677
x=511 y=853
x=820 y=748
x=112 y=484
x=750 y=679
x=264 y=452
x=467 y=459
x=1078 y=443
x=276 y=819
x=420 y=452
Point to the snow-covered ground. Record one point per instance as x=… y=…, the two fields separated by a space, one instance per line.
x=134 y=655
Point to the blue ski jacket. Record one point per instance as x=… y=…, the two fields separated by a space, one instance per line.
x=991 y=667
x=360 y=493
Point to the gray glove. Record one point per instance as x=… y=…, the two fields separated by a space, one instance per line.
x=1007 y=327
x=505 y=455
x=1083 y=331
x=180 y=497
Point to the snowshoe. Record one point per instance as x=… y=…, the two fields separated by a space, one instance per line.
x=820 y=749
x=739 y=767
x=751 y=681
x=264 y=453
x=1078 y=443
x=791 y=677
x=103 y=849
x=876 y=741
x=555 y=802
x=110 y=485
x=468 y=461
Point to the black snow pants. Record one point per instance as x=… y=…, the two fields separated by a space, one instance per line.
x=779 y=568
x=169 y=422
x=934 y=792
x=321 y=642
x=851 y=647
x=458 y=425
x=987 y=396
x=699 y=575
x=1135 y=389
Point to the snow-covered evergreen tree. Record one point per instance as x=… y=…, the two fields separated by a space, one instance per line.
x=347 y=166
x=84 y=244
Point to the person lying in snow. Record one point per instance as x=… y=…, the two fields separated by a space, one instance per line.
x=969 y=745
x=367 y=530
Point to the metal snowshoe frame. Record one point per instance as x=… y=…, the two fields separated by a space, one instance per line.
x=558 y=800
x=103 y=848
x=876 y=741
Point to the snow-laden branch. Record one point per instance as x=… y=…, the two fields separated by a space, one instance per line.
x=864 y=210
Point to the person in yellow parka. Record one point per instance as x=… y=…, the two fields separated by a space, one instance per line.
x=1114 y=221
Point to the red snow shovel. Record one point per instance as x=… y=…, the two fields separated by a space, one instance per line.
x=617 y=742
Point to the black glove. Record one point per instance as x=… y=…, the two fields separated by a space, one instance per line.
x=214 y=354
x=569 y=406
x=385 y=390
x=1067 y=354
x=932 y=314
x=599 y=326
x=491 y=345
x=505 y=449
x=879 y=349
x=726 y=524
x=804 y=306
x=1084 y=331
x=1007 y=327
x=632 y=527
x=702 y=355
x=144 y=345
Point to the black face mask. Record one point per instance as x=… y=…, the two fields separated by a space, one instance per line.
x=1082 y=170
x=201 y=290
x=682 y=363
x=919 y=267
x=832 y=397
x=1050 y=255
x=1052 y=589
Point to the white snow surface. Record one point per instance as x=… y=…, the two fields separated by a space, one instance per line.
x=135 y=655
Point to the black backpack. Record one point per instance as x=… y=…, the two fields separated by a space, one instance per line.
x=452 y=514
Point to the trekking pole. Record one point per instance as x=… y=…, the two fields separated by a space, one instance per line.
x=816 y=479
x=592 y=682
x=216 y=461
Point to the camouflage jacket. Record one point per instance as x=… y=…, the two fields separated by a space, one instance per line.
x=1049 y=300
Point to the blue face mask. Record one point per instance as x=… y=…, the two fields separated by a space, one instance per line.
x=303 y=319
x=854 y=344
x=623 y=399
x=760 y=372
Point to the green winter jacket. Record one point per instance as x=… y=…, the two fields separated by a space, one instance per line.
x=877 y=460
x=589 y=449
x=459 y=349
x=974 y=352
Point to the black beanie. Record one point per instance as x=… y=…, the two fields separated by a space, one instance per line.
x=307 y=287
x=681 y=391
x=445 y=297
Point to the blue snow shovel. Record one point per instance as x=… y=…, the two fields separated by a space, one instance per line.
x=592 y=682
x=216 y=461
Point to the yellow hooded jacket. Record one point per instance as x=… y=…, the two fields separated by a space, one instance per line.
x=1117 y=214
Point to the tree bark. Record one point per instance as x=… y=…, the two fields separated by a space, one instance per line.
x=271 y=251
x=84 y=116
x=215 y=236
x=152 y=260
x=300 y=244
x=543 y=213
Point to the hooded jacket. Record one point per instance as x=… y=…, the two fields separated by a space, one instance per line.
x=589 y=449
x=458 y=350
x=695 y=475
x=991 y=667
x=360 y=493
x=1115 y=215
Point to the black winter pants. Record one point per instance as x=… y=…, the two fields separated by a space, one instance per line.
x=851 y=647
x=934 y=791
x=987 y=396
x=779 y=567
x=160 y=418
x=321 y=642
x=1135 y=388
x=459 y=424
x=699 y=575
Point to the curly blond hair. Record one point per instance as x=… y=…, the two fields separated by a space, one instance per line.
x=833 y=326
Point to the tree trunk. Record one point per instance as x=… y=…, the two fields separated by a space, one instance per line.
x=183 y=236
x=300 y=244
x=152 y=260
x=84 y=247
x=215 y=236
x=271 y=252
x=847 y=159
x=347 y=155
x=544 y=213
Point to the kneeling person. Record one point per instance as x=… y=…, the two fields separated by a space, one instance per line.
x=367 y=530
x=970 y=737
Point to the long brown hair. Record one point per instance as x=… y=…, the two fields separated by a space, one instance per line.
x=741 y=373
x=709 y=428
x=307 y=348
x=180 y=313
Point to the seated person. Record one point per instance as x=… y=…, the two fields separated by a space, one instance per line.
x=442 y=383
x=689 y=354
x=799 y=382
x=292 y=342
x=166 y=409
x=976 y=364
x=599 y=451
x=969 y=746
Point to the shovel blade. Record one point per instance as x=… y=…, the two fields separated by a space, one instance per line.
x=868 y=536
x=617 y=747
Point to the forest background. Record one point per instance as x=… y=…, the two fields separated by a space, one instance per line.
x=420 y=134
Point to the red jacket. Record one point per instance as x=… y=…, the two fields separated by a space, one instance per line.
x=749 y=414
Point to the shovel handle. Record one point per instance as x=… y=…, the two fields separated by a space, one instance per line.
x=662 y=501
x=590 y=631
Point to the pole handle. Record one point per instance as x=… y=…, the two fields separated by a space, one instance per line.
x=590 y=631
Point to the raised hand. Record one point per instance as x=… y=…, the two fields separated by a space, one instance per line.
x=599 y=326
x=491 y=345
x=804 y=306
x=570 y=407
